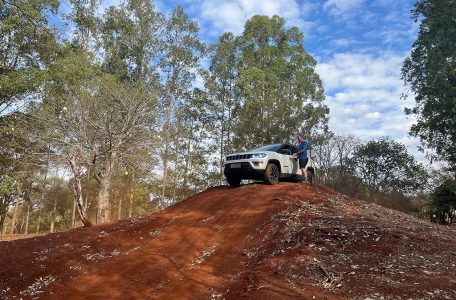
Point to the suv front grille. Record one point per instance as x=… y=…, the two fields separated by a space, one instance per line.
x=239 y=156
x=244 y=166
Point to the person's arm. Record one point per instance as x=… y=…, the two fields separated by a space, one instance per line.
x=299 y=152
x=305 y=147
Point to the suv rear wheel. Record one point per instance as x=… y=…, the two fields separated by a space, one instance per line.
x=271 y=174
x=233 y=181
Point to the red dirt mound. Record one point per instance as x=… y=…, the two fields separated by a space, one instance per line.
x=287 y=241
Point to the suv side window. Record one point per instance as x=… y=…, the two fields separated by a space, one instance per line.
x=285 y=149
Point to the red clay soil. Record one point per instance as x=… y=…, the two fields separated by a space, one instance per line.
x=287 y=241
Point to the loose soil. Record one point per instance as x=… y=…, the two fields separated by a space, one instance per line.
x=286 y=241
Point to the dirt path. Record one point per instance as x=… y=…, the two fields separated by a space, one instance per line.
x=286 y=241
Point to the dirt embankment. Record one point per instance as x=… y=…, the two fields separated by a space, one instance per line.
x=287 y=241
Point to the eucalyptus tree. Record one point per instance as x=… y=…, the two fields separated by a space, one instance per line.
x=180 y=60
x=83 y=15
x=130 y=39
x=430 y=73
x=222 y=96
x=22 y=156
x=281 y=92
x=27 y=44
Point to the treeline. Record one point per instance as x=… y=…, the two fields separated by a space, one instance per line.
x=127 y=110
x=122 y=116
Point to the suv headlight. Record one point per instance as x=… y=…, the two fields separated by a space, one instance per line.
x=258 y=155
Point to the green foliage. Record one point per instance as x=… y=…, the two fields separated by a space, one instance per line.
x=180 y=59
x=431 y=73
x=281 y=93
x=386 y=166
x=131 y=41
x=82 y=14
x=444 y=202
x=222 y=97
x=27 y=44
x=121 y=98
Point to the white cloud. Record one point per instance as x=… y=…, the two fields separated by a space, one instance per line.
x=342 y=8
x=226 y=15
x=359 y=70
x=373 y=116
x=364 y=96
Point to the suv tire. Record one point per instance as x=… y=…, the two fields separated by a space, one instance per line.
x=271 y=174
x=233 y=181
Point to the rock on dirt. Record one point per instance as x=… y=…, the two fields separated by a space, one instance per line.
x=286 y=241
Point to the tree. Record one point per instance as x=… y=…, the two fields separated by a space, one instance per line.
x=180 y=60
x=94 y=121
x=333 y=153
x=21 y=157
x=281 y=93
x=443 y=202
x=222 y=96
x=385 y=166
x=130 y=37
x=82 y=14
x=431 y=73
x=27 y=45
x=7 y=193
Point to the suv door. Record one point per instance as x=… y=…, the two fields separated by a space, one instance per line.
x=295 y=163
x=287 y=159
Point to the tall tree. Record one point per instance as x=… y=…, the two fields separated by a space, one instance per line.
x=21 y=157
x=181 y=57
x=431 y=73
x=27 y=44
x=281 y=93
x=222 y=96
x=83 y=15
x=130 y=37
x=95 y=121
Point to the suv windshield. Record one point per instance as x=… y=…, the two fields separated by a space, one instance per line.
x=274 y=148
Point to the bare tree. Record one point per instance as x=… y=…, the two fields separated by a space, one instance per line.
x=95 y=121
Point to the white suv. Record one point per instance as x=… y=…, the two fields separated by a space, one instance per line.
x=268 y=163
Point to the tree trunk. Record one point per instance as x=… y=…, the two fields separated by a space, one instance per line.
x=167 y=135
x=165 y=174
x=222 y=134
x=16 y=209
x=103 y=192
x=77 y=191
x=119 y=213
x=27 y=219
x=73 y=216
x=54 y=209
x=87 y=190
x=39 y=220
x=187 y=159
x=131 y=195
x=2 y=220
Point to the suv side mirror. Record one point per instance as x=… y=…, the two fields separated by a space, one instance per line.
x=285 y=152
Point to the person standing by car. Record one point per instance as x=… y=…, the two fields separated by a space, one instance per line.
x=302 y=155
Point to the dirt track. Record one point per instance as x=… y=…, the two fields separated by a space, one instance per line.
x=288 y=241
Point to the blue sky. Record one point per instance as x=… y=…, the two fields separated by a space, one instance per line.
x=359 y=46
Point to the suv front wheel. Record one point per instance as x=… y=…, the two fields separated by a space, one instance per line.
x=271 y=174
